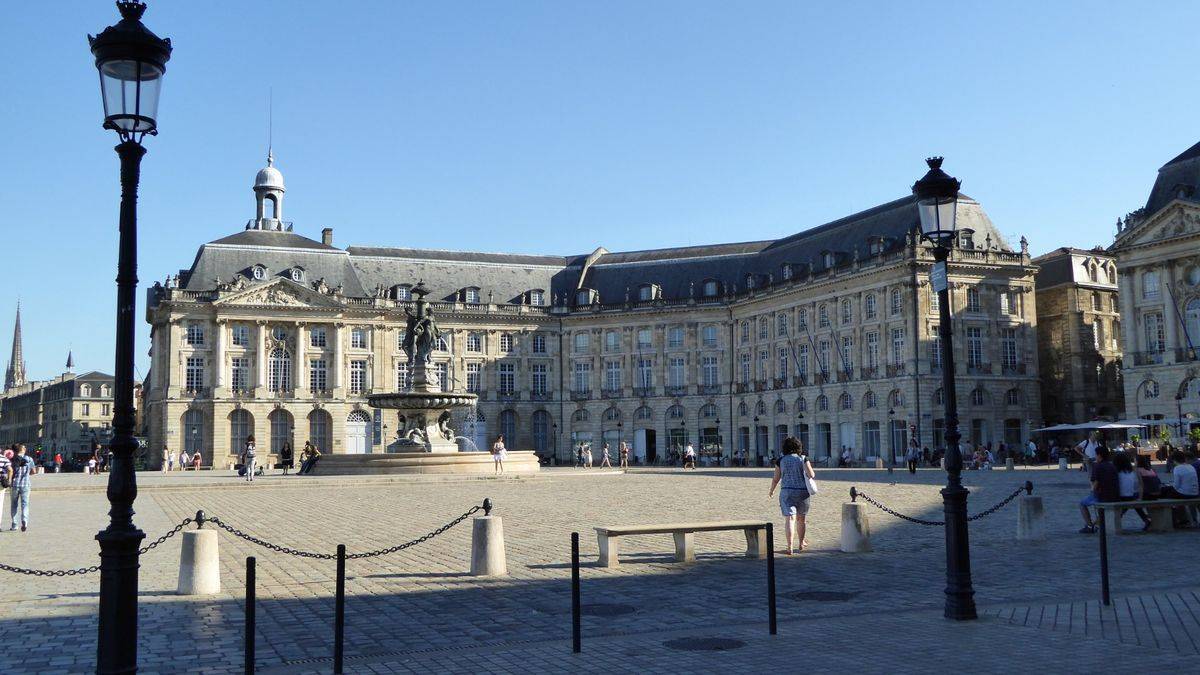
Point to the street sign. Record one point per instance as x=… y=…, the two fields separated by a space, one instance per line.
x=938 y=277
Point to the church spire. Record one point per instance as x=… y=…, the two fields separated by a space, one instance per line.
x=15 y=375
x=70 y=361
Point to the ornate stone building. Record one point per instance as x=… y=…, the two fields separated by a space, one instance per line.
x=828 y=334
x=1158 y=258
x=1079 y=336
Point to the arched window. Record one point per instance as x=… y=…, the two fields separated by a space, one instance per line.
x=847 y=313
x=742 y=409
x=508 y=427
x=320 y=430
x=845 y=402
x=1013 y=396
x=85 y=390
x=801 y=405
x=259 y=272
x=822 y=317
x=281 y=429
x=1150 y=387
x=241 y=426
x=675 y=412
x=896 y=301
x=708 y=411
x=780 y=407
x=896 y=399
x=580 y=415
x=612 y=415
x=105 y=391
x=869 y=400
x=279 y=370
x=822 y=403
x=760 y=408
x=870 y=311
x=193 y=431
x=583 y=341
x=977 y=396
x=643 y=413
x=297 y=274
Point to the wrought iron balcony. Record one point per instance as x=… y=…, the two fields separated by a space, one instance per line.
x=611 y=393
x=1147 y=358
x=710 y=389
x=643 y=392
x=541 y=396
x=677 y=391
x=507 y=396
x=198 y=392
x=581 y=395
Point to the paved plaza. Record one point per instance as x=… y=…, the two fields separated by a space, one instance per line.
x=418 y=611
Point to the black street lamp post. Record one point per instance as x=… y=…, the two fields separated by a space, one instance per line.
x=937 y=200
x=131 y=61
x=1179 y=416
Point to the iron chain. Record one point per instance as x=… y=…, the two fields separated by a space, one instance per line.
x=330 y=556
x=1005 y=502
x=94 y=568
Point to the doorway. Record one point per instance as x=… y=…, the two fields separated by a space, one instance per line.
x=846 y=436
x=356 y=433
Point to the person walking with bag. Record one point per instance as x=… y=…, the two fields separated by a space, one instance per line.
x=248 y=456
x=22 y=467
x=794 y=477
x=499 y=452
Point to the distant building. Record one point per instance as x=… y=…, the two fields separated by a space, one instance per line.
x=828 y=335
x=1079 y=329
x=1157 y=249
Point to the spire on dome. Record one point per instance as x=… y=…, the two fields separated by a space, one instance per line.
x=70 y=361
x=15 y=375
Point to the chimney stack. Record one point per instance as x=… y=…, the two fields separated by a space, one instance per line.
x=327 y=236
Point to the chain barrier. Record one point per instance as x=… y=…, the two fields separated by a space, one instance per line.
x=855 y=494
x=331 y=556
x=94 y=568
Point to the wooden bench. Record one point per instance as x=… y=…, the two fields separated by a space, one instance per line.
x=1159 y=511
x=755 y=531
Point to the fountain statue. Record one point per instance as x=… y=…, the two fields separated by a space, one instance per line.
x=426 y=442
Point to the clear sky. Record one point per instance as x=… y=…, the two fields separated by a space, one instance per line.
x=559 y=126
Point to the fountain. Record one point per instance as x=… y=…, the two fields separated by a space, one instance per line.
x=426 y=442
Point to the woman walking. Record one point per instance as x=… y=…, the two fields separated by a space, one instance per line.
x=248 y=456
x=624 y=453
x=499 y=452
x=792 y=471
x=587 y=456
x=604 y=459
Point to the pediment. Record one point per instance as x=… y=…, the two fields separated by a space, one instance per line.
x=277 y=293
x=1177 y=219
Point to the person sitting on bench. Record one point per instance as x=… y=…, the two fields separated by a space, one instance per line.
x=1184 y=485
x=1104 y=488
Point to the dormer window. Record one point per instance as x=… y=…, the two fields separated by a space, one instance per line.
x=585 y=296
x=649 y=292
x=471 y=296
x=966 y=239
x=403 y=292
x=297 y=274
x=537 y=297
x=711 y=288
x=787 y=272
x=259 y=272
x=750 y=282
x=828 y=258
x=875 y=245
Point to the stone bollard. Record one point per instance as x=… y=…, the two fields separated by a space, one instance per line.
x=487 y=547
x=856 y=529
x=1031 y=518
x=1062 y=463
x=5 y=508
x=199 y=566
x=1010 y=464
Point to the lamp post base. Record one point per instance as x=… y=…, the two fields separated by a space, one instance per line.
x=116 y=650
x=960 y=594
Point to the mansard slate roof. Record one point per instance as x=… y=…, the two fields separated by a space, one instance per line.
x=505 y=277
x=1182 y=171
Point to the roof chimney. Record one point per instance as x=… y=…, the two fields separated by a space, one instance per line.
x=327 y=236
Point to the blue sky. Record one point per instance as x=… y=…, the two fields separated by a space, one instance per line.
x=555 y=127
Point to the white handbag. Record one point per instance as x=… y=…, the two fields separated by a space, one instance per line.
x=809 y=481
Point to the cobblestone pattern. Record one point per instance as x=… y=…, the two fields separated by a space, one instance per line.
x=421 y=603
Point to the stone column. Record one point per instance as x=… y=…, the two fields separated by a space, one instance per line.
x=1127 y=292
x=1170 y=312
x=299 y=380
x=219 y=383
x=337 y=367
x=260 y=359
x=173 y=360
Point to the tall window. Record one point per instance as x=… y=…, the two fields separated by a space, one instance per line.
x=472 y=296
x=802 y=360
x=645 y=373
x=869 y=309
x=975 y=347
x=644 y=338
x=709 y=371
x=781 y=324
x=508 y=378
x=358 y=338
x=319 y=430
x=822 y=403
x=1095 y=302
x=847 y=353
x=538 y=378
x=873 y=349
x=935 y=356
x=764 y=328
x=443 y=375
x=582 y=382
x=1156 y=340
x=676 y=372
x=537 y=298
x=1005 y=306
x=358 y=376
x=316 y=336
x=474 y=342
x=823 y=357
x=241 y=425
x=895 y=301
x=506 y=343
x=871 y=438
x=193 y=430
x=764 y=369
x=822 y=317
x=473 y=381
x=1150 y=289
x=1008 y=347
x=195 y=334
x=612 y=375
x=897 y=346
x=935 y=300
x=781 y=363
x=709 y=334
x=318 y=376
x=745 y=368
x=240 y=374
x=539 y=344
x=745 y=332
x=847 y=313
x=279 y=370
x=973 y=300
x=240 y=335
x=802 y=319
x=194 y=375
x=403 y=377
x=508 y=426
x=612 y=341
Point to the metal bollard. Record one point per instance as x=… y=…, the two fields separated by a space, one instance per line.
x=576 y=637
x=339 y=610
x=249 y=628
x=1103 y=560
x=771 y=577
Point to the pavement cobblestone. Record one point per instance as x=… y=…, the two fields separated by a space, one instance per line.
x=419 y=610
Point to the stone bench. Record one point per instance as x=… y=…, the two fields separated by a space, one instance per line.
x=1159 y=511
x=755 y=531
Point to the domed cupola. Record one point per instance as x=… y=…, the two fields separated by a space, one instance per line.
x=268 y=192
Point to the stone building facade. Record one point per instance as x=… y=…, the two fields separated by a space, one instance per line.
x=1157 y=249
x=65 y=414
x=1079 y=336
x=828 y=334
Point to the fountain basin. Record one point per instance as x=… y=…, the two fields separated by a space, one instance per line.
x=420 y=462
